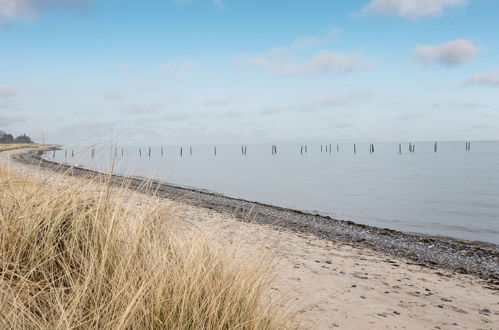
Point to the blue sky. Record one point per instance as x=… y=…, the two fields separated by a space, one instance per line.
x=234 y=71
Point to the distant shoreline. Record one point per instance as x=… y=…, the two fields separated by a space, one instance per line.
x=477 y=258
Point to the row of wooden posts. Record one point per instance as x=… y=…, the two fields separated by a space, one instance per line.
x=244 y=150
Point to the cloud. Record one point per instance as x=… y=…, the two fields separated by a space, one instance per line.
x=139 y=109
x=222 y=101
x=339 y=125
x=111 y=95
x=5 y=121
x=485 y=79
x=6 y=91
x=28 y=9
x=466 y=105
x=305 y=42
x=328 y=101
x=174 y=116
x=178 y=71
x=412 y=9
x=276 y=61
x=451 y=53
x=310 y=41
x=218 y=3
x=409 y=116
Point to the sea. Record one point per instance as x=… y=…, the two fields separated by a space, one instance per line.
x=449 y=189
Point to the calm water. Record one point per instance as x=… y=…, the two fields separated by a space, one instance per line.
x=452 y=192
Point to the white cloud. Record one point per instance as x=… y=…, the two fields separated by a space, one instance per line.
x=324 y=61
x=329 y=101
x=138 y=109
x=450 y=54
x=174 y=116
x=222 y=101
x=18 y=9
x=310 y=41
x=6 y=91
x=178 y=71
x=305 y=42
x=112 y=95
x=412 y=9
x=409 y=116
x=6 y=121
x=485 y=79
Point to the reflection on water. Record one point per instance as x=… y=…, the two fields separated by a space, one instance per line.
x=453 y=192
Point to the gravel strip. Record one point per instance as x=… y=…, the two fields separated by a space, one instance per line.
x=475 y=258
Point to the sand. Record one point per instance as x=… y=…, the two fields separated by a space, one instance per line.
x=328 y=285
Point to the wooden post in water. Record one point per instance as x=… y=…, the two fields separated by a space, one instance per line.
x=337 y=148
x=181 y=151
x=190 y=150
x=245 y=150
x=321 y=148
x=65 y=153
x=121 y=152
x=140 y=152
x=330 y=149
x=306 y=150
x=93 y=153
x=435 y=147
x=301 y=150
x=53 y=155
x=354 y=149
x=215 y=150
x=400 y=148
x=161 y=151
x=149 y=152
x=72 y=153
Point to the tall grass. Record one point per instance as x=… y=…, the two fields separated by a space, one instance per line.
x=12 y=146
x=80 y=257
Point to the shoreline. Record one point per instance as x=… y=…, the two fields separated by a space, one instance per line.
x=475 y=258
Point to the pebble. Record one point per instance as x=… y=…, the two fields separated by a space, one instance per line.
x=455 y=324
x=363 y=297
x=440 y=306
x=396 y=313
x=381 y=314
x=446 y=299
x=484 y=312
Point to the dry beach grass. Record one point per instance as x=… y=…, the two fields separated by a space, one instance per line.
x=80 y=257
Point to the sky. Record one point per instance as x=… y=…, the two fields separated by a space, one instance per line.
x=260 y=71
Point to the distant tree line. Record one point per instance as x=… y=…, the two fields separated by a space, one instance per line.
x=6 y=138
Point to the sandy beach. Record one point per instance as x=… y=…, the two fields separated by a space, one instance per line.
x=329 y=283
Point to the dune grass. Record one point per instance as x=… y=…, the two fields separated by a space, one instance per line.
x=76 y=257
x=13 y=146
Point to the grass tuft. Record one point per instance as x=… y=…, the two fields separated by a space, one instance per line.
x=76 y=257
